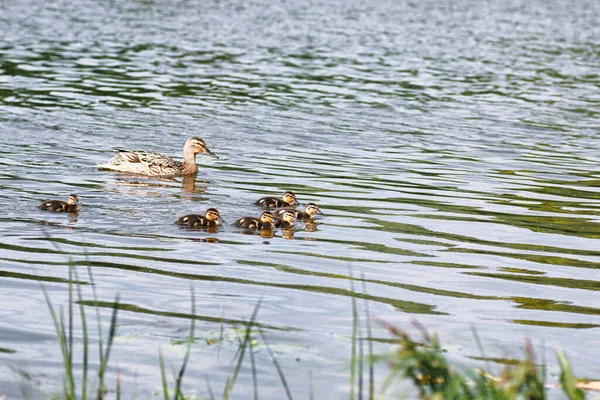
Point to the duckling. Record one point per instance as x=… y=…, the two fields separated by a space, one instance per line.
x=70 y=206
x=310 y=210
x=266 y=221
x=156 y=164
x=288 y=199
x=286 y=221
x=211 y=218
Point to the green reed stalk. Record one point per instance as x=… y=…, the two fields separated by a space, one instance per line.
x=118 y=385
x=85 y=338
x=369 y=342
x=178 y=393
x=354 y=337
x=112 y=331
x=209 y=388
x=311 y=392
x=71 y=315
x=254 y=377
x=98 y=323
x=242 y=350
x=68 y=381
x=567 y=379
x=277 y=367
x=163 y=376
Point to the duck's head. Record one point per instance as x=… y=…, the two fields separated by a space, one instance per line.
x=212 y=214
x=73 y=199
x=266 y=217
x=196 y=145
x=289 y=197
x=289 y=216
x=312 y=209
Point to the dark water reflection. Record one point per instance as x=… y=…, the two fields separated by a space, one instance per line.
x=452 y=147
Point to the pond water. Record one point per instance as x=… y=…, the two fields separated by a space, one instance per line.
x=453 y=148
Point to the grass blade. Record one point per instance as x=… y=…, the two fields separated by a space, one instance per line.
x=62 y=340
x=178 y=393
x=254 y=377
x=98 y=324
x=369 y=343
x=85 y=338
x=354 y=336
x=567 y=379
x=277 y=367
x=106 y=356
x=242 y=350
x=209 y=388
x=311 y=392
x=163 y=376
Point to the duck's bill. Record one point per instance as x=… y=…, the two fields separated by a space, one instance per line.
x=320 y=212
x=210 y=153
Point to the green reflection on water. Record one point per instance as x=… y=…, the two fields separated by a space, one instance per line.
x=414 y=288
x=141 y=310
x=7 y=351
x=37 y=277
x=543 y=280
x=570 y=325
x=551 y=305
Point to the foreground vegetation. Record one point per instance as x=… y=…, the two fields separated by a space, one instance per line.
x=421 y=362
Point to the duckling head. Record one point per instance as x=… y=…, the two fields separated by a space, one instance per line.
x=73 y=199
x=196 y=145
x=266 y=217
x=312 y=209
x=289 y=197
x=212 y=214
x=289 y=216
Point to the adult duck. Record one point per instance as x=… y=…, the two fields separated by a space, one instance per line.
x=156 y=164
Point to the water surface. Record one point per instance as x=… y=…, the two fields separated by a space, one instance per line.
x=453 y=149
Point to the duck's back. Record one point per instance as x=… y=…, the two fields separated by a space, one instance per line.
x=58 y=206
x=249 y=222
x=142 y=162
x=271 y=202
x=194 y=220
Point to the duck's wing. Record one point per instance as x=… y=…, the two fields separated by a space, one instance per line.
x=159 y=164
x=192 y=220
x=248 y=222
x=271 y=202
x=54 y=205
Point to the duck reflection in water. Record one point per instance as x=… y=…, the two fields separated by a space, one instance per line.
x=287 y=233
x=189 y=184
x=311 y=226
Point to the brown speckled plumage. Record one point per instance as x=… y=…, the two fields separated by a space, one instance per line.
x=70 y=206
x=288 y=199
x=266 y=221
